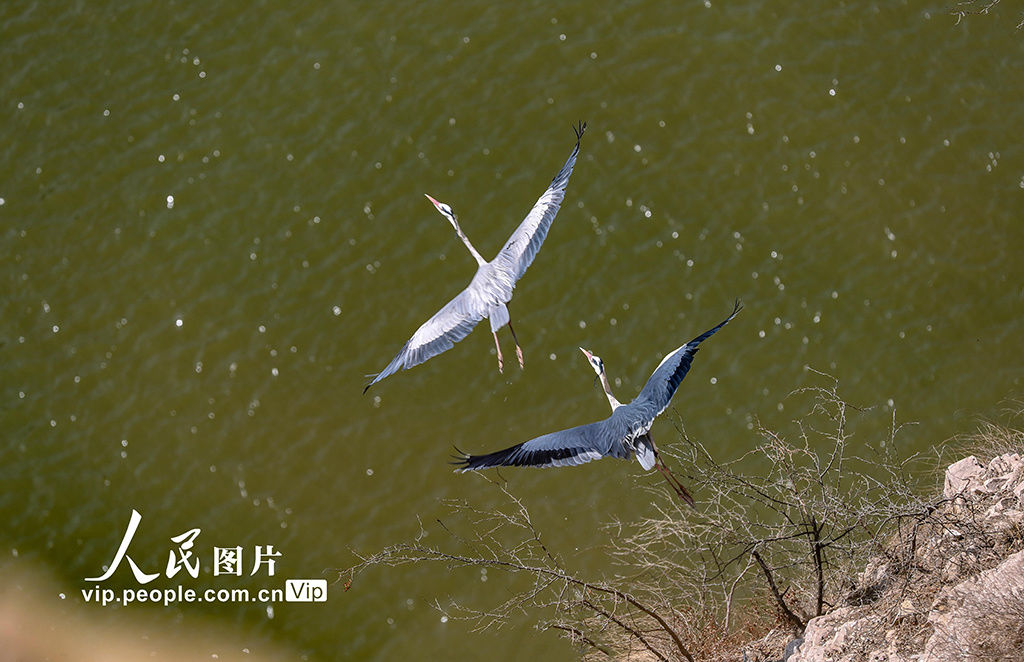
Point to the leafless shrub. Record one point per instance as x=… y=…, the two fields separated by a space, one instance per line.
x=780 y=536
x=787 y=529
x=966 y=8
x=585 y=611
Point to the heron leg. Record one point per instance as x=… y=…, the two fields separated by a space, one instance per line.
x=497 y=345
x=519 y=350
x=681 y=491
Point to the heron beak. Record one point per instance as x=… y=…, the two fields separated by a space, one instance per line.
x=436 y=203
x=450 y=216
x=586 y=354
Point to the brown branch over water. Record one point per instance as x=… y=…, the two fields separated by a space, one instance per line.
x=401 y=554
x=976 y=8
x=793 y=618
x=806 y=511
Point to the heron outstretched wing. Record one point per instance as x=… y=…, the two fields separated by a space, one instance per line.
x=564 y=448
x=522 y=246
x=438 y=334
x=663 y=383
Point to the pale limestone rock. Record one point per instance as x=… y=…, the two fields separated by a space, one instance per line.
x=961 y=611
x=826 y=635
x=962 y=476
x=1005 y=464
x=963 y=615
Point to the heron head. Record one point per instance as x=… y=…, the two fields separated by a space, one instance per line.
x=595 y=362
x=445 y=210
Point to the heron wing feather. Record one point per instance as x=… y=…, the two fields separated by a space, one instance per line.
x=558 y=449
x=438 y=334
x=662 y=385
x=523 y=245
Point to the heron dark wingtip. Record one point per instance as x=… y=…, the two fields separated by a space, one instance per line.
x=580 y=128
x=461 y=459
x=370 y=383
x=373 y=380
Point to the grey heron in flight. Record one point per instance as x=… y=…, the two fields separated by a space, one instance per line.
x=491 y=288
x=624 y=433
x=644 y=444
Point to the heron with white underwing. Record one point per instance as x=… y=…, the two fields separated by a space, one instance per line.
x=490 y=290
x=623 y=434
x=644 y=443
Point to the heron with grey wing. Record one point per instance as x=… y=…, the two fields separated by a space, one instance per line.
x=491 y=287
x=623 y=434
x=645 y=444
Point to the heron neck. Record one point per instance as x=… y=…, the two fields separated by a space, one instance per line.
x=615 y=404
x=472 y=250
